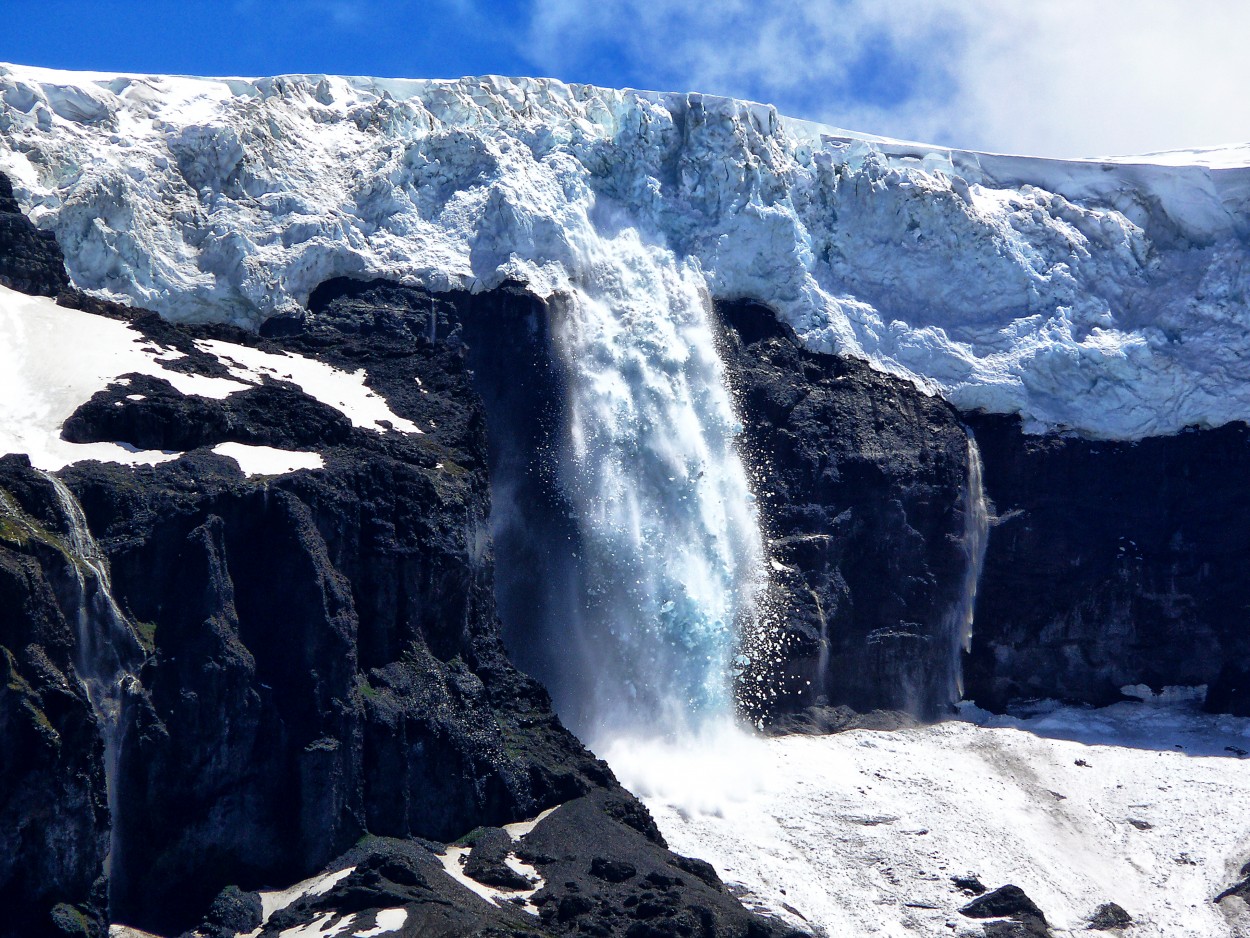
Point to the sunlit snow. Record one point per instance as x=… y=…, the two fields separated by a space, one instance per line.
x=860 y=833
x=267 y=460
x=53 y=359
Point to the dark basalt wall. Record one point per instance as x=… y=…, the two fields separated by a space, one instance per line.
x=860 y=480
x=1108 y=564
x=1113 y=564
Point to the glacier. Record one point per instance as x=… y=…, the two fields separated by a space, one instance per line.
x=1101 y=297
x=1105 y=298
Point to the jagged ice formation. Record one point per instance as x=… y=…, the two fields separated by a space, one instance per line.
x=1107 y=297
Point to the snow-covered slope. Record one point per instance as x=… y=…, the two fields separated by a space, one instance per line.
x=1109 y=297
x=862 y=833
x=53 y=359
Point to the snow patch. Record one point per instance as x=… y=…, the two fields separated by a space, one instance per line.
x=53 y=359
x=453 y=860
x=388 y=920
x=344 y=391
x=266 y=460
x=519 y=829
x=322 y=926
x=275 y=901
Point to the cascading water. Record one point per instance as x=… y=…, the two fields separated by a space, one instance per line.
x=975 y=537
x=671 y=553
x=108 y=653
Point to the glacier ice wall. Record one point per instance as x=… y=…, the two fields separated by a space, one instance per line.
x=1106 y=297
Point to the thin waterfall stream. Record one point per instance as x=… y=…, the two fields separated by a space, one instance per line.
x=976 y=536
x=108 y=653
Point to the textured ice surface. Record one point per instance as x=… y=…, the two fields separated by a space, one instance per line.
x=1109 y=297
x=860 y=833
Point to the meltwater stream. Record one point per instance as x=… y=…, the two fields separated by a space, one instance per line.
x=671 y=553
x=975 y=538
x=108 y=654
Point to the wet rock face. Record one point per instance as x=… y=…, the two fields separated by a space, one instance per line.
x=30 y=259
x=54 y=820
x=1113 y=564
x=860 y=481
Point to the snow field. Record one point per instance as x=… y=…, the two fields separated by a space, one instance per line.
x=53 y=359
x=860 y=833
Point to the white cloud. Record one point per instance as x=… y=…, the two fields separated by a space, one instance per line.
x=1052 y=77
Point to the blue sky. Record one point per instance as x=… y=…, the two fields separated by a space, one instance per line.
x=1051 y=77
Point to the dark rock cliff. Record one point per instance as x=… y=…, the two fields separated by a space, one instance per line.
x=54 y=818
x=1107 y=564
x=1113 y=564
x=860 y=480
x=30 y=259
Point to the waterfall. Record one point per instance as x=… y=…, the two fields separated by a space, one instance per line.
x=975 y=535
x=671 y=552
x=108 y=654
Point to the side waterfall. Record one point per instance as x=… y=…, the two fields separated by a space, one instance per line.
x=975 y=536
x=672 y=552
x=108 y=653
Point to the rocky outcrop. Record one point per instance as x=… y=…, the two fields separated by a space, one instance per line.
x=860 y=480
x=594 y=866
x=1113 y=564
x=30 y=259
x=1018 y=916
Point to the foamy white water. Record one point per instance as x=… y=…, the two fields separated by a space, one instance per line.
x=672 y=553
x=975 y=540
